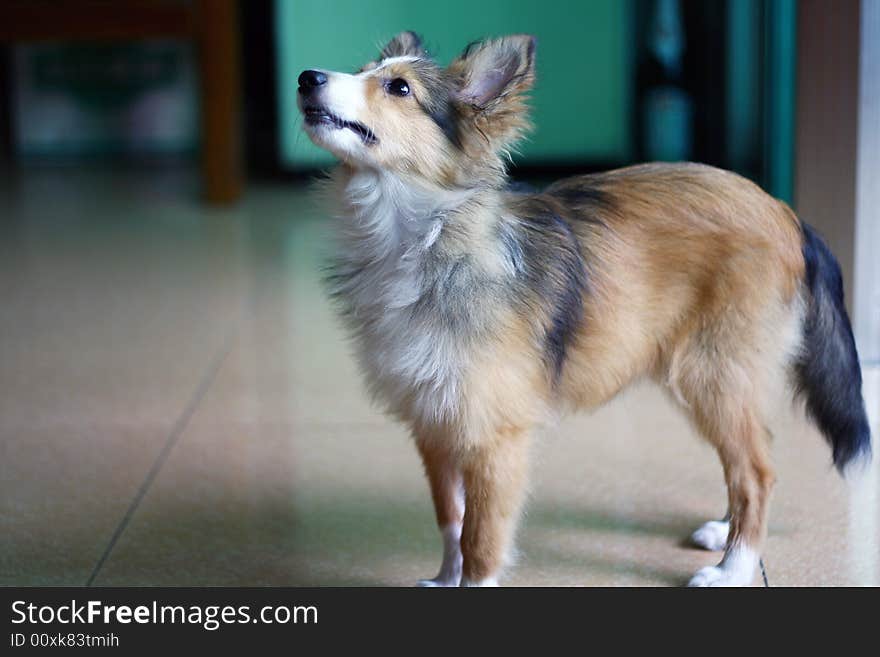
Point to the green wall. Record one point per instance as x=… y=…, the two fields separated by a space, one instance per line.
x=582 y=98
x=780 y=52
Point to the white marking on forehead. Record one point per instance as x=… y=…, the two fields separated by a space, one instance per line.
x=395 y=60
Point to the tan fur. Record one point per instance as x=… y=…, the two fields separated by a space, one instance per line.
x=690 y=253
x=444 y=478
x=494 y=481
x=416 y=148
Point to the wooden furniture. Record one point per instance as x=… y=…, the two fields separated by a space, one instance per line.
x=210 y=24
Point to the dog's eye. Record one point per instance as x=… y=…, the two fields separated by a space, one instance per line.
x=398 y=87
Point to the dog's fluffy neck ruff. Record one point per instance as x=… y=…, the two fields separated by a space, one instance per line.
x=388 y=215
x=405 y=273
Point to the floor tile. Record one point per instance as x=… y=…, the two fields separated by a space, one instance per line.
x=115 y=296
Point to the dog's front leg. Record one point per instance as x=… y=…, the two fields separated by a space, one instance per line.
x=494 y=481
x=447 y=492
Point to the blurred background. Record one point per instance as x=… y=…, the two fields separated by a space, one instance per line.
x=179 y=405
x=619 y=81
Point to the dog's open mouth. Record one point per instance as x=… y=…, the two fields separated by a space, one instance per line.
x=316 y=115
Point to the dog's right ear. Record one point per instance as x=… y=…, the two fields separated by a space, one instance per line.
x=490 y=82
x=404 y=44
x=491 y=71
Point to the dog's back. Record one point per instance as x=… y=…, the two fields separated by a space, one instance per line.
x=680 y=258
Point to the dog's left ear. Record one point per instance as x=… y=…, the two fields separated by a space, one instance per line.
x=404 y=44
x=492 y=73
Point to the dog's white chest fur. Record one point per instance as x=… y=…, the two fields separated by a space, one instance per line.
x=413 y=355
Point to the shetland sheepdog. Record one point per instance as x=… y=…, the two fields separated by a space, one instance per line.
x=478 y=312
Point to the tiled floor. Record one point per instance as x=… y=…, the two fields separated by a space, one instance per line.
x=179 y=407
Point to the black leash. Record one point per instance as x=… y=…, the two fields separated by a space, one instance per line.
x=764 y=573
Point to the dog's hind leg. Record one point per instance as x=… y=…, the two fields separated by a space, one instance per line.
x=731 y=376
x=447 y=493
x=742 y=443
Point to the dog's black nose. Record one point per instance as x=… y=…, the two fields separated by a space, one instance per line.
x=308 y=80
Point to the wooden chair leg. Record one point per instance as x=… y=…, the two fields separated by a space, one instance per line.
x=218 y=54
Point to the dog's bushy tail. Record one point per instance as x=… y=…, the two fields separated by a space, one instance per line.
x=827 y=369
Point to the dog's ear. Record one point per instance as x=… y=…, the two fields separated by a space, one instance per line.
x=489 y=84
x=404 y=44
x=490 y=73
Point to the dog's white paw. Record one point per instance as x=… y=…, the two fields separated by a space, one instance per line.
x=450 y=569
x=482 y=583
x=712 y=535
x=737 y=568
x=438 y=582
x=712 y=576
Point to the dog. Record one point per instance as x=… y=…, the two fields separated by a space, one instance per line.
x=480 y=313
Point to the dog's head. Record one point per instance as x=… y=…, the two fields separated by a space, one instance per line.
x=405 y=113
